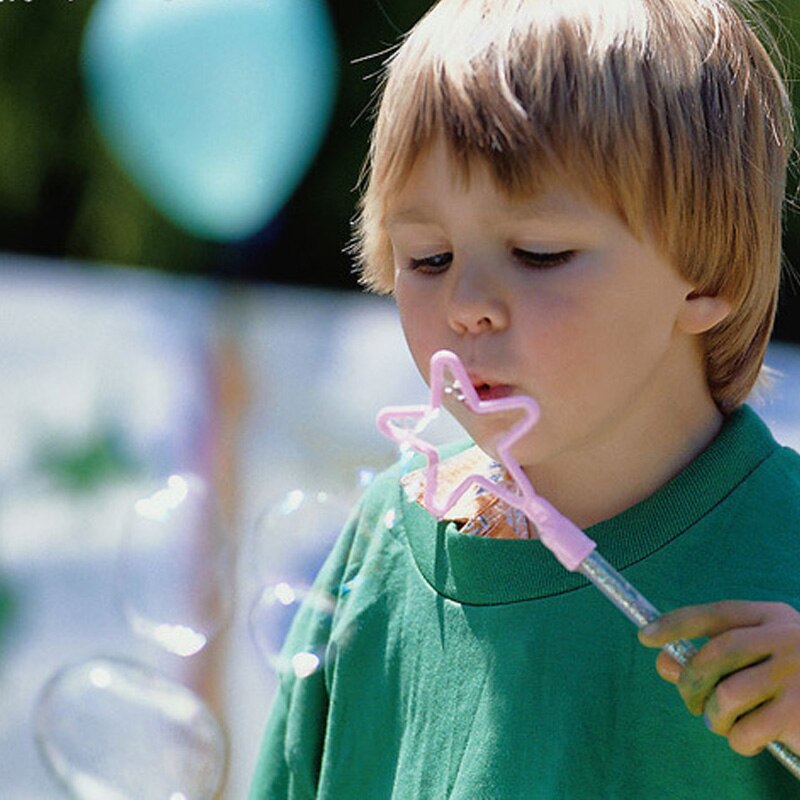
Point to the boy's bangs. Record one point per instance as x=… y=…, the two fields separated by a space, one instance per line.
x=541 y=106
x=478 y=123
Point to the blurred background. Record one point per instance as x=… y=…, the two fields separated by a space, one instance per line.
x=64 y=192
x=189 y=372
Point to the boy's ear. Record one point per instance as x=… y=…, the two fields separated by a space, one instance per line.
x=701 y=312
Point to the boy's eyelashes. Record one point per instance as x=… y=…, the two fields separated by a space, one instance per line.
x=544 y=260
x=441 y=261
x=431 y=264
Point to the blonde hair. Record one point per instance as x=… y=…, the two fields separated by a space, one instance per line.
x=669 y=112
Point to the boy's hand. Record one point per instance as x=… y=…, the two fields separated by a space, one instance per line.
x=746 y=679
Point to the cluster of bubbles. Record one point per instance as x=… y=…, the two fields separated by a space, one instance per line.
x=109 y=728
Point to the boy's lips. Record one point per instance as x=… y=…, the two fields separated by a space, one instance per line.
x=497 y=392
x=487 y=389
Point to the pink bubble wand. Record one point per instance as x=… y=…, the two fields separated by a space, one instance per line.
x=570 y=545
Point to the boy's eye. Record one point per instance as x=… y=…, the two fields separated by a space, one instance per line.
x=431 y=264
x=544 y=260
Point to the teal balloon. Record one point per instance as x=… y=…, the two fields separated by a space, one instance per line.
x=214 y=108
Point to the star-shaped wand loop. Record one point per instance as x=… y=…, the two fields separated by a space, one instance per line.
x=405 y=424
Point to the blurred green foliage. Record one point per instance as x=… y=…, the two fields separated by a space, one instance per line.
x=62 y=194
x=89 y=464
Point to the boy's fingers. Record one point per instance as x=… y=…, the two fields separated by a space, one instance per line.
x=693 y=622
x=668 y=668
x=746 y=678
x=748 y=737
x=768 y=722
x=725 y=654
x=738 y=694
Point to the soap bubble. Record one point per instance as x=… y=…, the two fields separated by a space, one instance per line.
x=175 y=572
x=293 y=537
x=365 y=476
x=270 y=617
x=110 y=729
x=288 y=547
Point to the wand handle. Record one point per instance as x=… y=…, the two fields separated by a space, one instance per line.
x=641 y=611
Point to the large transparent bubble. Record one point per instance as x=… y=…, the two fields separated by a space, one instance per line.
x=110 y=729
x=289 y=545
x=293 y=536
x=271 y=616
x=175 y=576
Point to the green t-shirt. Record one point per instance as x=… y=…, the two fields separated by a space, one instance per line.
x=455 y=667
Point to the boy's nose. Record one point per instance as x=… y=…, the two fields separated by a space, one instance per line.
x=476 y=307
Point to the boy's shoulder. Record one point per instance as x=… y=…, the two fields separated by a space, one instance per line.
x=781 y=461
x=782 y=475
x=760 y=515
x=747 y=449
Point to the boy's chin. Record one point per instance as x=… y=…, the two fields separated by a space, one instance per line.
x=522 y=451
x=487 y=431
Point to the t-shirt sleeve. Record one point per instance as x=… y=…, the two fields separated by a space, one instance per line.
x=291 y=750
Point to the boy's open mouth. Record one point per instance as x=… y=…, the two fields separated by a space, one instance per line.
x=486 y=391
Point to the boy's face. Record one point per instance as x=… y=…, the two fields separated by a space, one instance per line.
x=552 y=297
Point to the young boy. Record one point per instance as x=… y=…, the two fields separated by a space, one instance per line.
x=582 y=200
